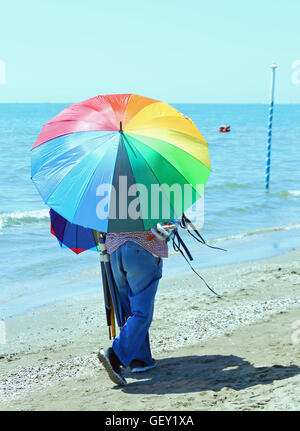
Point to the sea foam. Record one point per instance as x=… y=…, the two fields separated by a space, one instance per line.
x=23 y=217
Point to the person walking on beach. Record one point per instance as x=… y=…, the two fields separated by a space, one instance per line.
x=136 y=264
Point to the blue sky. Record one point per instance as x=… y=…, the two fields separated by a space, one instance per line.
x=189 y=51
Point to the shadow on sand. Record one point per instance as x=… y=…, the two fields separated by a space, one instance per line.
x=204 y=373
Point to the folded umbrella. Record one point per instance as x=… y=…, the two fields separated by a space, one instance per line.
x=79 y=239
x=105 y=264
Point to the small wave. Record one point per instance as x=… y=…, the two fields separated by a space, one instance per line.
x=23 y=217
x=239 y=235
x=259 y=231
x=294 y=192
x=286 y=194
x=228 y=186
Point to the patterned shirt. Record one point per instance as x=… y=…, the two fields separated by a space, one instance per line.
x=154 y=245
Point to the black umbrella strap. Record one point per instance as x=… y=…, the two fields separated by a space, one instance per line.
x=176 y=246
x=180 y=242
x=185 y=222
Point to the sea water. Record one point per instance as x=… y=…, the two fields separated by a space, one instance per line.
x=239 y=214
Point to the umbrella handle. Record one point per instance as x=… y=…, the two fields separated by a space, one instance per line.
x=104 y=257
x=109 y=309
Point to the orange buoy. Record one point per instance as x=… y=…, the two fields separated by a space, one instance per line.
x=224 y=129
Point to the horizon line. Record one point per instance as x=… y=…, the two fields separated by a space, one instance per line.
x=174 y=103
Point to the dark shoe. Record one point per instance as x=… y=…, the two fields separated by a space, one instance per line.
x=137 y=366
x=112 y=365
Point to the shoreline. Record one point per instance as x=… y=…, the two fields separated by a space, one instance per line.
x=52 y=364
x=241 y=248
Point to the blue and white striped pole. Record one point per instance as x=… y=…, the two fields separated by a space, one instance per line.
x=268 y=159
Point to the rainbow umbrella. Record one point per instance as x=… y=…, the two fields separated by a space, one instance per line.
x=99 y=162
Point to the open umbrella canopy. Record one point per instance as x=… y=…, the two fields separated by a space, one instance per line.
x=114 y=163
x=72 y=236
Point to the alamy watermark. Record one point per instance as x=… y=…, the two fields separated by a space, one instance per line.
x=152 y=202
x=296 y=73
x=2 y=332
x=2 y=72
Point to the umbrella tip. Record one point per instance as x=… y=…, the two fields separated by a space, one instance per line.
x=121 y=130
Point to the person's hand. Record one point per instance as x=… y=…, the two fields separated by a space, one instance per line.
x=163 y=232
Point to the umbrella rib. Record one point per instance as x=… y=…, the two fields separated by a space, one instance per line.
x=180 y=132
x=53 y=216
x=146 y=126
x=186 y=135
x=113 y=108
x=122 y=147
x=126 y=113
x=129 y=144
x=157 y=116
x=75 y=166
x=153 y=172
x=167 y=161
x=76 y=238
x=91 y=178
x=51 y=159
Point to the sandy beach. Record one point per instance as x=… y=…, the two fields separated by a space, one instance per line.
x=237 y=352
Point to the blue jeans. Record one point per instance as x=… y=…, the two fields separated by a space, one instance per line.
x=137 y=273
